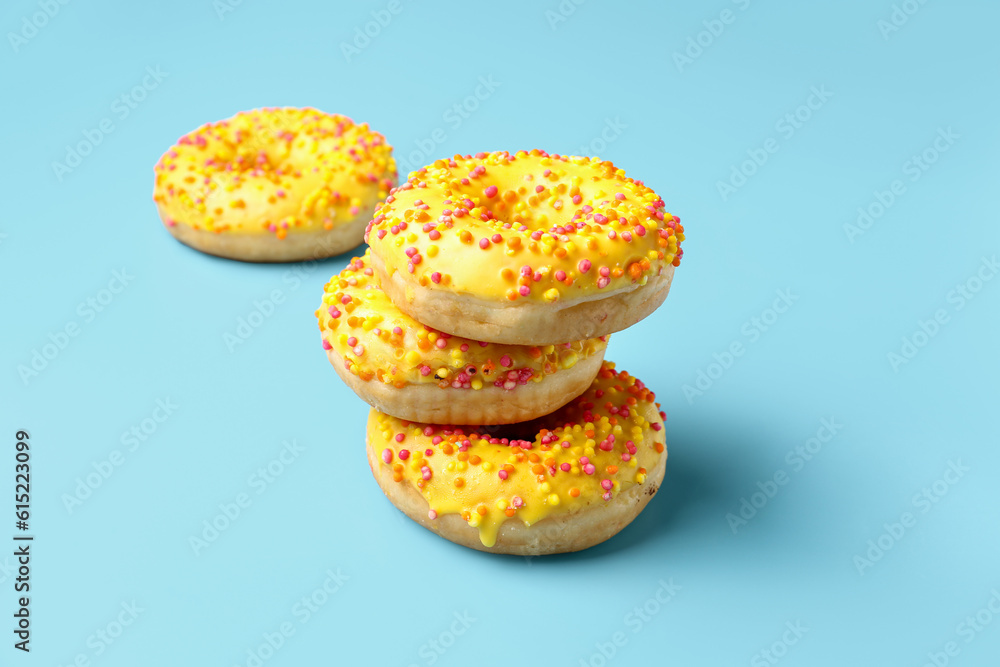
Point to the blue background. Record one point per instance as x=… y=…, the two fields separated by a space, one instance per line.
x=558 y=83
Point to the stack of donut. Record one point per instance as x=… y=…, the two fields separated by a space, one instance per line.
x=476 y=326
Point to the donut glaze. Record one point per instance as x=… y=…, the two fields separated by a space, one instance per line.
x=273 y=172
x=583 y=457
x=369 y=338
x=529 y=228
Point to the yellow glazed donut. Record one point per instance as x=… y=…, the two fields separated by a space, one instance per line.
x=527 y=249
x=414 y=372
x=561 y=483
x=274 y=185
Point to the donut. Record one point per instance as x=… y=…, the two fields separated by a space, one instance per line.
x=560 y=483
x=414 y=372
x=525 y=249
x=274 y=185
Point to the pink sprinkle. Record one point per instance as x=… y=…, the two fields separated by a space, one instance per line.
x=352 y=341
x=387 y=455
x=560 y=275
x=577 y=199
x=491 y=191
x=411 y=251
x=434 y=235
x=397 y=330
x=484 y=243
x=441 y=343
x=505 y=361
x=436 y=277
x=400 y=437
x=589 y=468
x=600 y=219
x=502 y=474
x=425 y=370
x=539 y=188
x=516 y=501
x=584 y=265
x=620 y=197
x=606 y=484
x=326 y=345
x=425 y=472
x=565 y=444
x=657 y=426
x=359 y=350
x=524 y=290
x=496 y=238
x=334 y=313
x=432 y=515
x=565 y=467
x=404 y=454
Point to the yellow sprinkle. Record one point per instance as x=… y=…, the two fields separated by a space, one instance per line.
x=569 y=360
x=553 y=499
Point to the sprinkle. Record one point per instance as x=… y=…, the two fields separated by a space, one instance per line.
x=387 y=455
